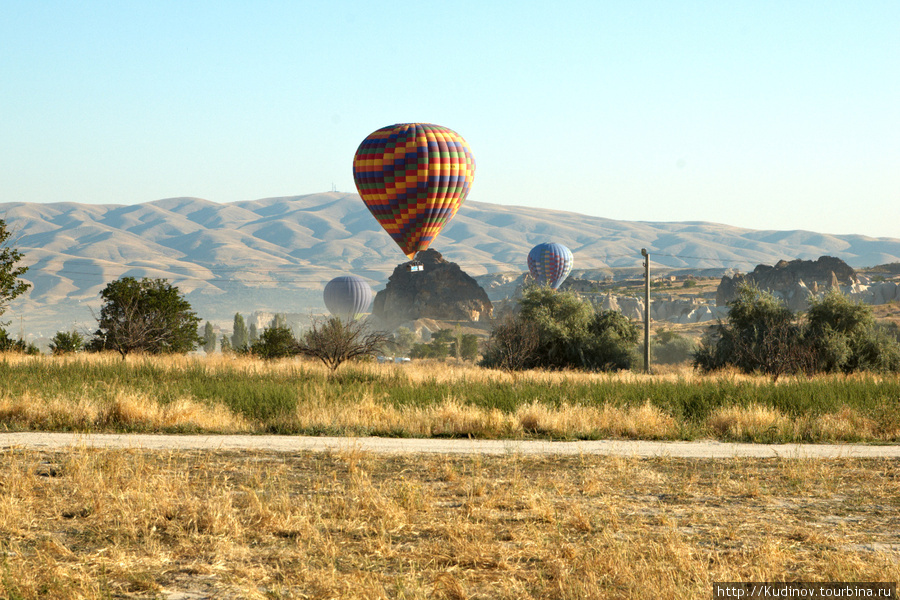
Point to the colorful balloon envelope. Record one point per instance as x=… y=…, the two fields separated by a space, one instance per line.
x=550 y=264
x=347 y=296
x=413 y=177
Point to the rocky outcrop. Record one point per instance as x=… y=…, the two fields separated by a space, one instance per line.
x=441 y=291
x=792 y=280
x=878 y=293
x=670 y=310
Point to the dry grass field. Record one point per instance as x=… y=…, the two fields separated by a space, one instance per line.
x=187 y=525
x=130 y=524
x=232 y=394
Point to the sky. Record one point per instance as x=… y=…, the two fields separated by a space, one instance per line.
x=761 y=114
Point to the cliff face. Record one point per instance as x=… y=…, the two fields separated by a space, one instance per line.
x=441 y=291
x=792 y=280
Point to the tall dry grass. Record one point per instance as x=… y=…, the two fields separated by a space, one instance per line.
x=230 y=394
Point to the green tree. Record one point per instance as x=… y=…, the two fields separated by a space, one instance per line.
x=10 y=285
x=8 y=344
x=610 y=342
x=240 y=338
x=761 y=335
x=66 y=342
x=669 y=348
x=225 y=344
x=209 y=338
x=468 y=346
x=279 y=321
x=845 y=338
x=275 y=342
x=149 y=315
x=253 y=333
x=403 y=340
x=557 y=330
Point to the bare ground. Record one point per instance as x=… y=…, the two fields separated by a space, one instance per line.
x=278 y=443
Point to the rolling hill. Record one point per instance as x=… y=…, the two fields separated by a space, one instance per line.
x=276 y=254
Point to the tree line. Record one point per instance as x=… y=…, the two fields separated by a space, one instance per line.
x=547 y=329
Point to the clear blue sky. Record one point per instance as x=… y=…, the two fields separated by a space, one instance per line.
x=761 y=114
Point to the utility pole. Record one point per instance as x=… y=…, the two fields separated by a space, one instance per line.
x=646 y=310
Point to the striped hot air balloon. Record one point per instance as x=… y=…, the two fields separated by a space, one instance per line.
x=413 y=177
x=550 y=264
x=347 y=296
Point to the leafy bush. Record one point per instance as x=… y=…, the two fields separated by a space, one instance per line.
x=448 y=342
x=670 y=348
x=66 y=342
x=763 y=335
x=7 y=344
x=468 y=346
x=275 y=342
x=433 y=349
x=557 y=330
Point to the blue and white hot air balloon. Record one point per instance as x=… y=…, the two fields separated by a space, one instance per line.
x=550 y=264
x=347 y=296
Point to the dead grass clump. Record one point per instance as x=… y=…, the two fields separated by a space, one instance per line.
x=137 y=411
x=31 y=411
x=451 y=418
x=753 y=423
x=845 y=425
x=577 y=421
x=127 y=409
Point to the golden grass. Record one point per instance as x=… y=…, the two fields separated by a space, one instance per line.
x=762 y=423
x=322 y=406
x=130 y=524
x=127 y=409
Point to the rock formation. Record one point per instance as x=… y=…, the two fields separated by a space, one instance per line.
x=442 y=291
x=792 y=280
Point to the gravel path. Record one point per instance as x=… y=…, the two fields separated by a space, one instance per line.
x=277 y=443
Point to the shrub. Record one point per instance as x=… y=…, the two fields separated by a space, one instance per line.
x=763 y=335
x=670 y=348
x=557 y=330
x=512 y=345
x=275 y=342
x=335 y=341
x=66 y=342
x=7 y=344
x=468 y=346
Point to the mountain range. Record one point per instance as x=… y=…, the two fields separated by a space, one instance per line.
x=277 y=254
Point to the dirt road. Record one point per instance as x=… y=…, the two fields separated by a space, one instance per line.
x=276 y=443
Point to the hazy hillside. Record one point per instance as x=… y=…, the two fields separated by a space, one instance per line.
x=277 y=254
